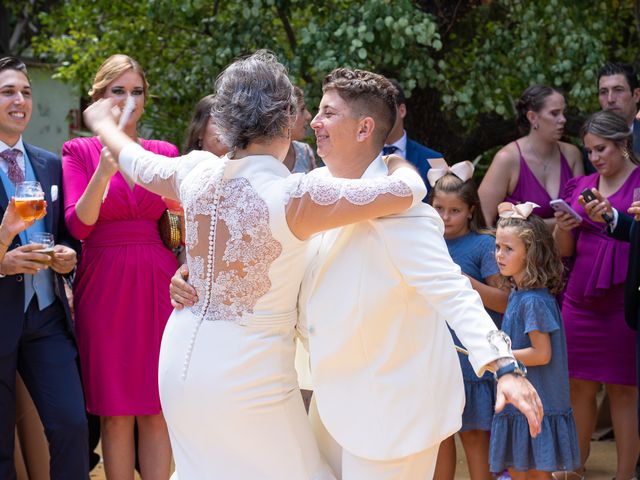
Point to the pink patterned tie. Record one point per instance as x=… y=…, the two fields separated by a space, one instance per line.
x=16 y=175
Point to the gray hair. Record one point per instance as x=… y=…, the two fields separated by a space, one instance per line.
x=608 y=125
x=254 y=100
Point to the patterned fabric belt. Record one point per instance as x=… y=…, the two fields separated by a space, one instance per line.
x=274 y=320
x=124 y=232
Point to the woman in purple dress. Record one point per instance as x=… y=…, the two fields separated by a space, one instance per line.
x=600 y=346
x=535 y=167
x=121 y=287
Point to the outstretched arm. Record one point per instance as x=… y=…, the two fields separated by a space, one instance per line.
x=319 y=203
x=156 y=173
x=417 y=248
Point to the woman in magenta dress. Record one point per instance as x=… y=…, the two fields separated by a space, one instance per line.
x=122 y=285
x=535 y=167
x=600 y=346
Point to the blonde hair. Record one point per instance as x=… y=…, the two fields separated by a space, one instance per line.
x=112 y=68
x=542 y=266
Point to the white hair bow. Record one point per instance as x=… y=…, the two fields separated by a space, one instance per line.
x=522 y=210
x=439 y=168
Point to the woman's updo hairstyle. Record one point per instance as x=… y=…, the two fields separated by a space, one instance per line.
x=532 y=99
x=254 y=100
x=608 y=125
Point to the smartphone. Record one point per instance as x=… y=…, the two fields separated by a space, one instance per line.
x=560 y=205
x=588 y=196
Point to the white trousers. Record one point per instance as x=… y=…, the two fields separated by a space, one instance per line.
x=346 y=466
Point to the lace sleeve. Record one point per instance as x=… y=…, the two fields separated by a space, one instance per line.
x=317 y=203
x=157 y=173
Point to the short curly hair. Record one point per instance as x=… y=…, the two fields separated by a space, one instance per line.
x=368 y=95
x=254 y=100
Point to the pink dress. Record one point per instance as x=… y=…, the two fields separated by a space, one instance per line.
x=529 y=188
x=121 y=289
x=600 y=345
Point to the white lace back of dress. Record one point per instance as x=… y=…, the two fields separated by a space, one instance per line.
x=227 y=228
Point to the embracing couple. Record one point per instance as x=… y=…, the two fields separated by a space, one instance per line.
x=372 y=294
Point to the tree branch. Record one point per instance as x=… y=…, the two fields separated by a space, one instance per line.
x=291 y=36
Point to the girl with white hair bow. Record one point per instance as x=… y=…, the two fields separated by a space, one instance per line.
x=454 y=196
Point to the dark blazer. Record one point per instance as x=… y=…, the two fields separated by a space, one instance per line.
x=636 y=137
x=628 y=230
x=48 y=170
x=417 y=154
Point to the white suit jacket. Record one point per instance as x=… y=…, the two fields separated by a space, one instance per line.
x=374 y=304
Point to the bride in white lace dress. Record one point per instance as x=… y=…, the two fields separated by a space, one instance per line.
x=227 y=380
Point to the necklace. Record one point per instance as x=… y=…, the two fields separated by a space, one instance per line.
x=540 y=161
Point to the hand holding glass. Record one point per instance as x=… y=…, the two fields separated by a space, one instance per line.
x=47 y=241
x=30 y=201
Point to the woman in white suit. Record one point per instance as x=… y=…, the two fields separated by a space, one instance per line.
x=227 y=380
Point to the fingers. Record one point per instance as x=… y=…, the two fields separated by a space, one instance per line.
x=181 y=300
x=501 y=401
x=184 y=271
x=176 y=305
x=182 y=292
x=565 y=221
x=32 y=267
x=62 y=263
x=535 y=424
x=30 y=247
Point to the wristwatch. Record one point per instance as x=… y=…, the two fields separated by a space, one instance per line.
x=515 y=367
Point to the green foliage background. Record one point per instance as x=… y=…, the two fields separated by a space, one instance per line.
x=183 y=45
x=464 y=62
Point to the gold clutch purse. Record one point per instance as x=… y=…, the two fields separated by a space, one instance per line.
x=170 y=231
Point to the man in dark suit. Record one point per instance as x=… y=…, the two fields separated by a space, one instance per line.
x=397 y=142
x=619 y=92
x=36 y=337
x=627 y=229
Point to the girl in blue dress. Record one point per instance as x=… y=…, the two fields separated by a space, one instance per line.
x=454 y=197
x=527 y=256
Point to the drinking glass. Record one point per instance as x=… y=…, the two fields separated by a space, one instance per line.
x=45 y=239
x=30 y=201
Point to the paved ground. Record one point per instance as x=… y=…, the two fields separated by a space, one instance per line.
x=601 y=464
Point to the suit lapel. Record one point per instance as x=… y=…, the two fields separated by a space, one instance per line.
x=41 y=170
x=4 y=200
x=329 y=246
